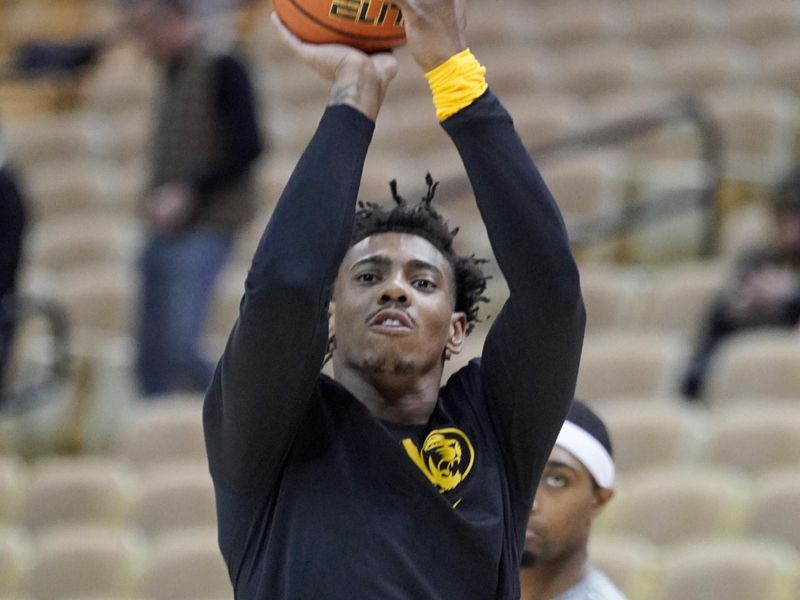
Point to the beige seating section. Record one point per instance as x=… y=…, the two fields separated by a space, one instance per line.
x=680 y=297
x=165 y=430
x=74 y=491
x=760 y=363
x=14 y=479
x=174 y=495
x=731 y=569
x=628 y=363
x=678 y=503
x=612 y=297
x=16 y=555
x=645 y=435
x=187 y=565
x=86 y=560
x=631 y=562
x=774 y=513
x=755 y=437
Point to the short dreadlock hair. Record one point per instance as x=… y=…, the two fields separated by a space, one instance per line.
x=423 y=220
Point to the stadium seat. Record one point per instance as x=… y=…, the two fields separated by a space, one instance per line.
x=187 y=565
x=99 y=301
x=78 y=490
x=592 y=69
x=86 y=560
x=763 y=22
x=173 y=496
x=631 y=562
x=779 y=65
x=14 y=479
x=671 y=504
x=589 y=189
x=70 y=188
x=760 y=363
x=627 y=363
x=168 y=429
x=731 y=569
x=754 y=437
x=663 y=23
x=566 y=24
x=612 y=296
x=758 y=129
x=679 y=296
x=774 y=513
x=647 y=434
x=701 y=65
x=66 y=243
x=16 y=555
x=544 y=116
x=48 y=138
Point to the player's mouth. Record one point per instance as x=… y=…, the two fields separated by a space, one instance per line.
x=390 y=322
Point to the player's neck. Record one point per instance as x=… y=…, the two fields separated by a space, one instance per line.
x=406 y=399
x=548 y=579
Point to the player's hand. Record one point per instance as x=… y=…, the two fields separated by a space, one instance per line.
x=359 y=80
x=434 y=30
x=169 y=206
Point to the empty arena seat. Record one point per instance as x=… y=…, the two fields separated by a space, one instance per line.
x=187 y=565
x=773 y=512
x=78 y=490
x=173 y=496
x=648 y=434
x=164 y=430
x=671 y=504
x=758 y=363
x=627 y=363
x=86 y=560
x=16 y=555
x=14 y=478
x=754 y=437
x=731 y=569
x=631 y=562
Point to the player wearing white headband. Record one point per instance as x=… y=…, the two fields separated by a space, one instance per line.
x=576 y=485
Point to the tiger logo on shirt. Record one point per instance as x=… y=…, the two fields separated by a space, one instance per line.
x=446 y=457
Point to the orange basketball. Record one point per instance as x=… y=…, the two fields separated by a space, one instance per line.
x=370 y=25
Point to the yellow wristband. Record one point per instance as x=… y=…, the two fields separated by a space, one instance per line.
x=456 y=83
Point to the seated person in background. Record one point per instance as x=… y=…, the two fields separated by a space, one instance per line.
x=765 y=290
x=574 y=488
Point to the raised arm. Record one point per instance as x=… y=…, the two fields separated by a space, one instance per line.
x=531 y=354
x=530 y=358
x=266 y=376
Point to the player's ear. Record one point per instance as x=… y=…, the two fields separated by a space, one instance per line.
x=331 y=319
x=602 y=496
x=458 y=331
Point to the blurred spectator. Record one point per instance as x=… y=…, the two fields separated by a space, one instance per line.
x=205 y=141
x=12 y=227
x=764 y=291
x=576 y=485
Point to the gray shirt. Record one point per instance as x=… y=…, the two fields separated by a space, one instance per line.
x=595 y=586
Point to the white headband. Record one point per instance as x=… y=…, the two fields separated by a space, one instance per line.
x=585 y=447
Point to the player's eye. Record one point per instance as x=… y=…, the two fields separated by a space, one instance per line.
x=555 y=480
x=423 y=284
x=366 y=277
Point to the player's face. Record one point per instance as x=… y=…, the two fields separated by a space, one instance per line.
x=566 y=502
x=393 y=307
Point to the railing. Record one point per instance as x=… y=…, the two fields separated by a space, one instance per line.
x=642 y=211
x=16 y=311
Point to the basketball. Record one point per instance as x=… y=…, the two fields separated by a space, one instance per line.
x=370 y=25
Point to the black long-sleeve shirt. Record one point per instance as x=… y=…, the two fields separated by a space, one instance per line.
x=316 y=498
